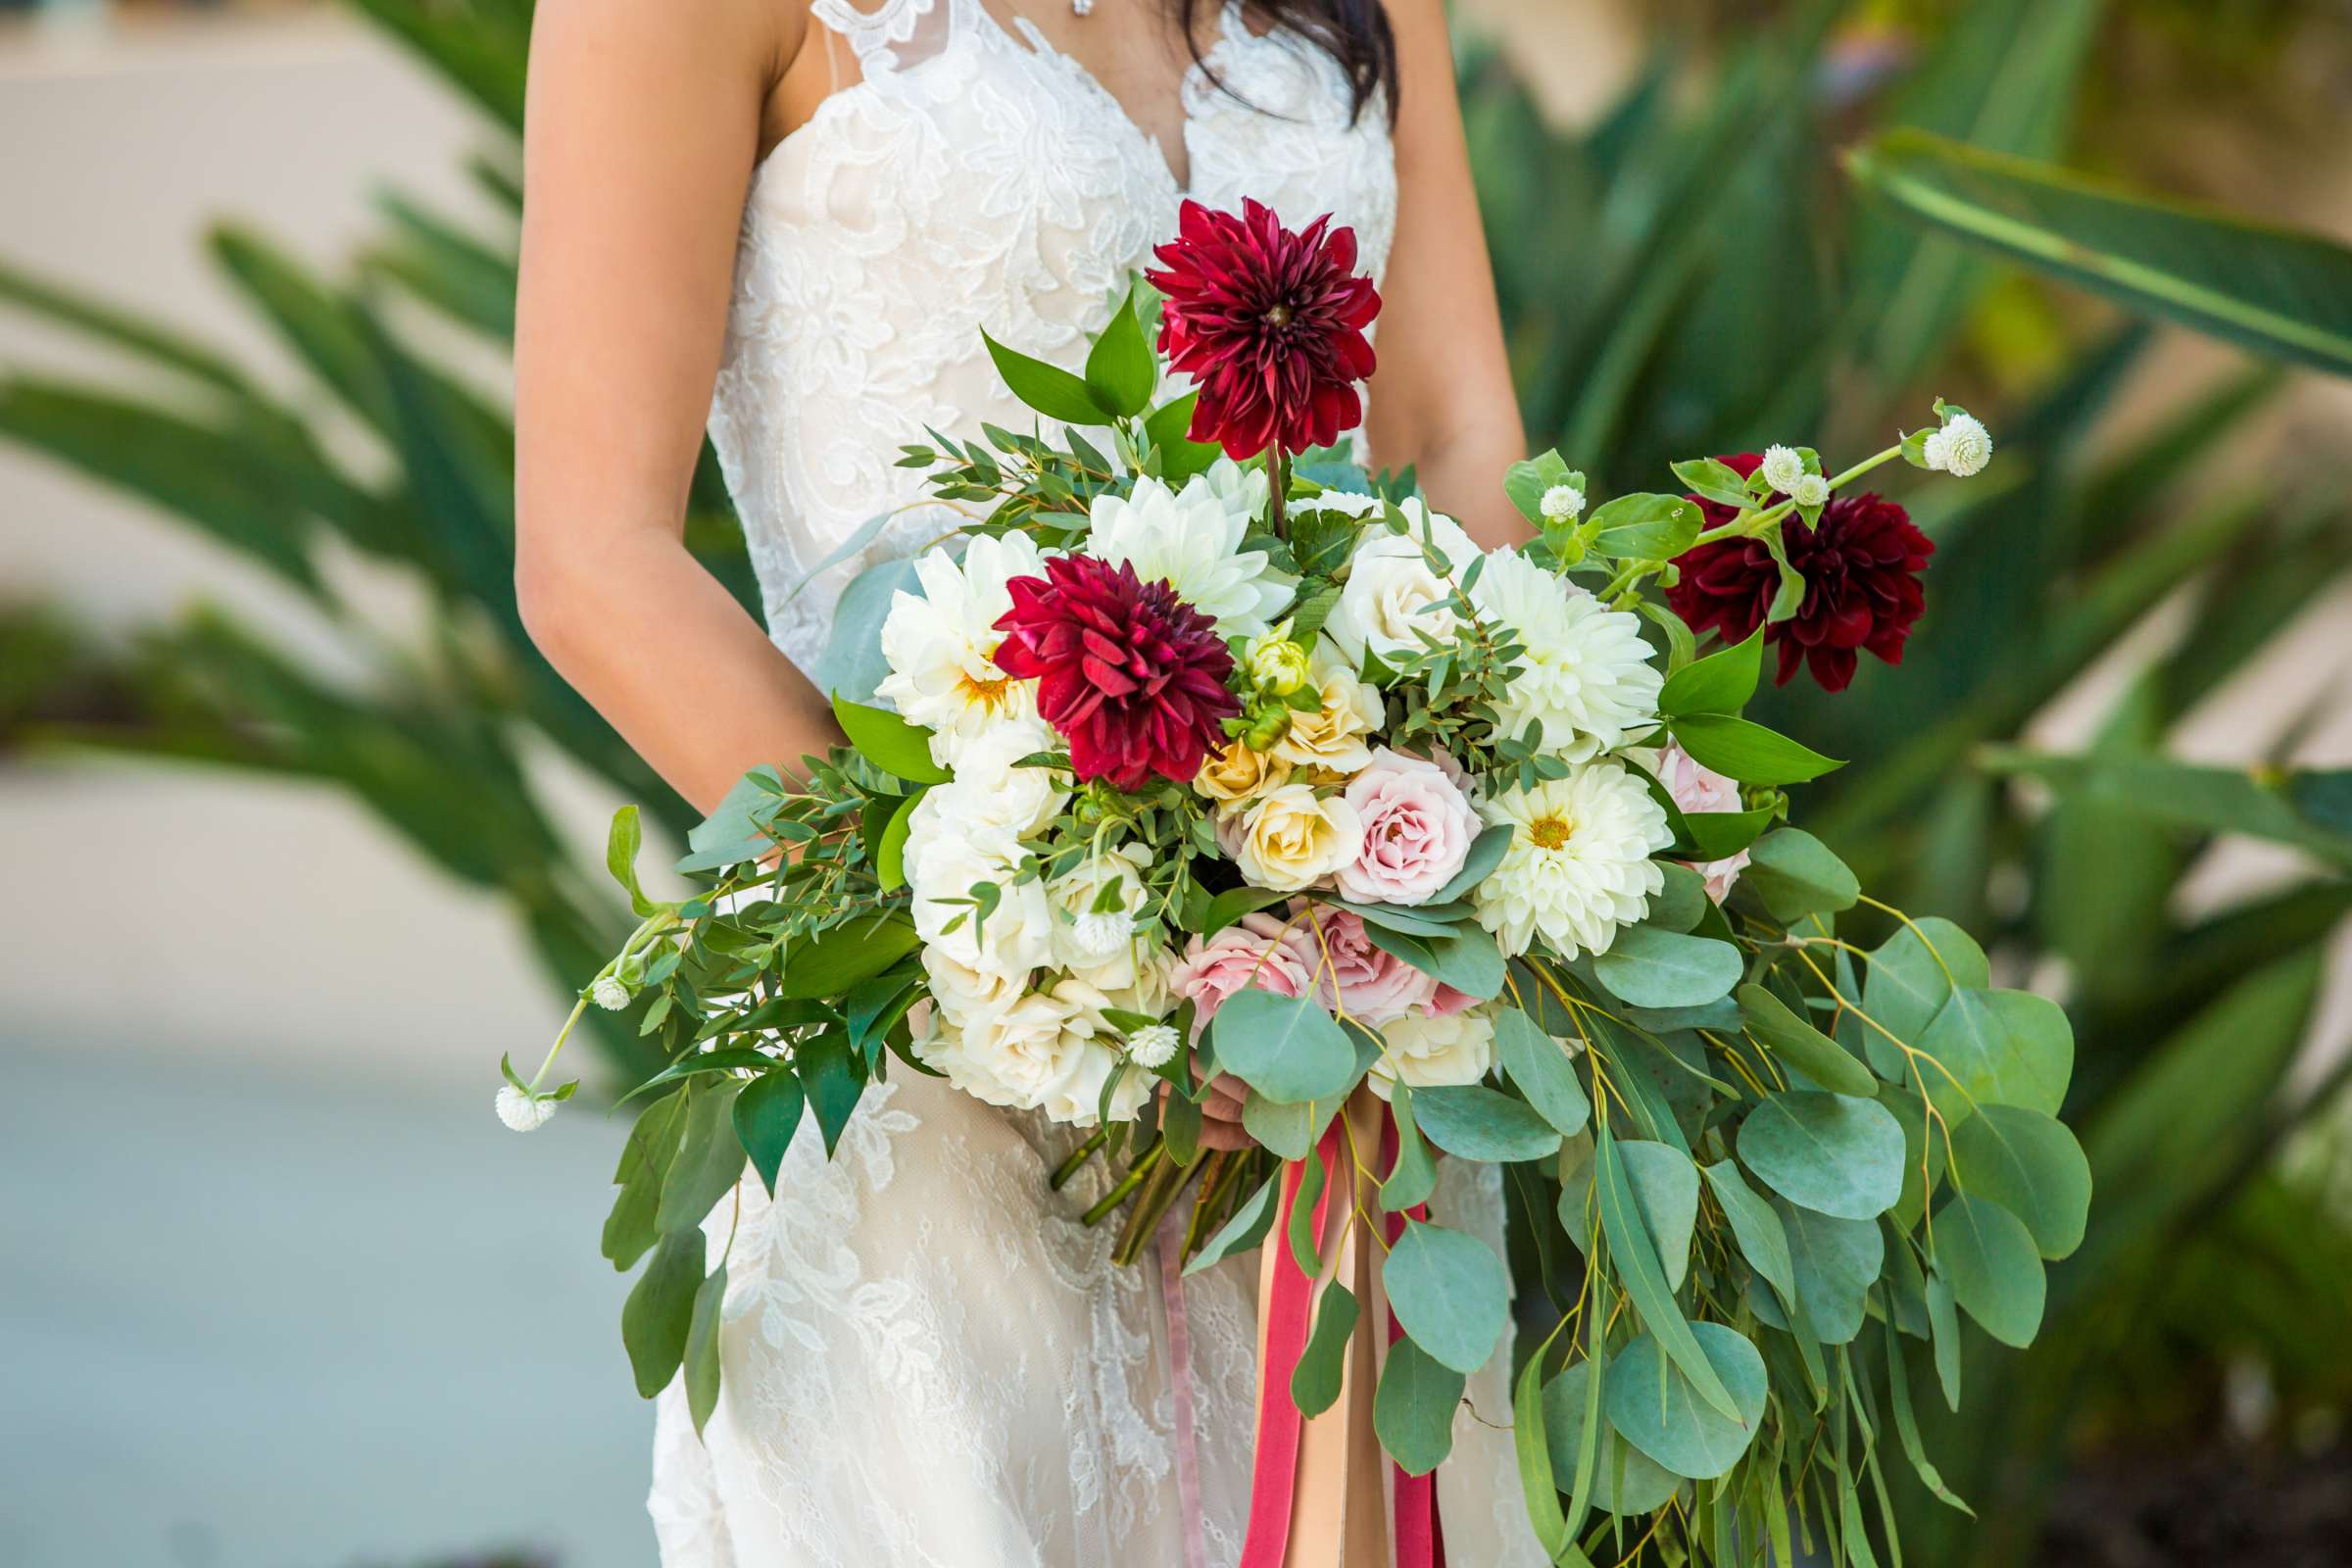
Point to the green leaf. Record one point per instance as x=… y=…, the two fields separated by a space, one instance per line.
x=1486 y=853
x=659 y=1312
x=1801 y=1046
x=1906 y=1426
x=890 y=855
x=1301 y=1228
x=2006 y=1046
x=767 y=1113
x=1796 y=875
x=1415 y=1174
x=1653 y=1406
x=1479 y=1123
x=1048 y=388
x=1943 y=1324
x=1286 y=1128
x=1244 y=1230
x=1718 y=481
x=1531 y=1446
x=1837 y=1261
x=621 y=858
x=1720 y=683
x=1987 y=1255
x=1450 y=1293
x=1665 y=1186
x=1410 y=922
x=1836 y=1154
x=701 y=1354
x=1467 y=961
x=830 y=1075
x=2030 y=1164
x=1749 y=753
x=1762 y=1239
x=1626 y=1482
x=1234 y=903
x=1315 y=1380
x=645 y=1161
x=709 y=1159
x=1644 y=1279
x=1653 y=968
x=1181 y=456
x=1119 y=372
x=1287 y=1049
x=1911 y=976
x=2277 y=291
x=1540 y=1066
x=834 y=960
x=889 y=742
x=1646 y=528
x=1720 y=835
x=1412 y=1409
x=1524 y=482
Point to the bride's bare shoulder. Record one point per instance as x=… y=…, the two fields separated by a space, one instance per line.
x=746 y=39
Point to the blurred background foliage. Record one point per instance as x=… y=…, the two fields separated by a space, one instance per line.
x=1689 y=272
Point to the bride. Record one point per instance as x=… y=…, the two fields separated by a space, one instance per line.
x=792 y=219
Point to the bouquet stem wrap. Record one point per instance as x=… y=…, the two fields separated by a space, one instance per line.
x=1324 y=1495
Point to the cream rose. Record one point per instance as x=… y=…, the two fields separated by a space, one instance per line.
x=1432 y=1051
x=1292 y=839
x=1237 y=774
x=1393 y=592
x=1334 y=738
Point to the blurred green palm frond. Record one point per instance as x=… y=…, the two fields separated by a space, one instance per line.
x=1687 y=274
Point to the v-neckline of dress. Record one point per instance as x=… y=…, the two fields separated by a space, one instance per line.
x=1024 y=36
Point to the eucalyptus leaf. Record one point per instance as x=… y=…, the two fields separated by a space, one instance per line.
x=1315 y=1380
x=1988 y=1256
x=1413 y=1408
x=1287 y=1049
x=1449 y=1294
x=1762 y=1238
x=1540 y=1066
x=1625 y=1481
x=1245 y=1228
x=1836 y=1262
x=1800 y=1045
x=1653 y=1406
x=1476 y=1122
x=1795 y=875
x=2030 y=1164
x=1653 y=968
x=1643 y=1277
x=1836 y=1154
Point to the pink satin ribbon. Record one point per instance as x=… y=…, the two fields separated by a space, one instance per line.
x=1283 y=1335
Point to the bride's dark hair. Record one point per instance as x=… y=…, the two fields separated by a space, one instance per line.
x=1354 y=32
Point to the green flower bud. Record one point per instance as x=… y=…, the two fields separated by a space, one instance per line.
x=1276 y=664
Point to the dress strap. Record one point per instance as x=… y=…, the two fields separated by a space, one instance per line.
x=886 y=34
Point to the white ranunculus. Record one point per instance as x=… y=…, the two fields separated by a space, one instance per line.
x=941 y=644
x=995 y=790
x=1434 y=1051
x=964 y=995
x=1191 y=539
x=1585 y=676
x=955 y=853
x=1391 y=585
x=1579 y=863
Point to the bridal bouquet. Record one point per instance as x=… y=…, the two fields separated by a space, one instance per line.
x=1198 y=763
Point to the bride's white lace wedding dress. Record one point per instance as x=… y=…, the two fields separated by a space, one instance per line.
x=928 y=1361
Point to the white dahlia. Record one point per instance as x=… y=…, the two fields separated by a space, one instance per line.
x=1393 y=590
x=1434 y=1051
x=940 y=645
x=1585 y=676
x=1191 y=539
x=1579 y=863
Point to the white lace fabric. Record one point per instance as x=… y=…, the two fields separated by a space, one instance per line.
x=928 y=1361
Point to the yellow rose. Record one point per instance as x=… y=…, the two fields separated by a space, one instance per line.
x=1333 y=738
x=1293 y=839
x=1237 y=774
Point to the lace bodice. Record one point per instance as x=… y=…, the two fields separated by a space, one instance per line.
x=976 y=177
x=929 y=1360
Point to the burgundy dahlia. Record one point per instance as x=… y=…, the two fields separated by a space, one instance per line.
x=1269 y=325
x=1861 y=565
x=1132 y=676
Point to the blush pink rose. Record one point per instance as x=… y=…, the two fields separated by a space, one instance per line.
x=1352 y=973
x=1702 y=789
x=1448 y=1002
x=1417 y=824
x=1255 y=951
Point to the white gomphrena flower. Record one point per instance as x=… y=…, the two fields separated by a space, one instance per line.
x=1961 y=448
x=1811 y=490
x=525 y=1113
x=609 y=993
x=1153 y=1047
x=1782 y=467
x=1562 y=503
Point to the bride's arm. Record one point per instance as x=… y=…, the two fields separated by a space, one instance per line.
x=1442 y=397
x=643 y=126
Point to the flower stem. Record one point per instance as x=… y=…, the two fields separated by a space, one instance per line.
x=1278 y=489
x=1756 y=527
x=1111 y=1201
